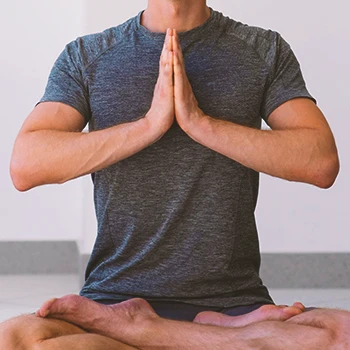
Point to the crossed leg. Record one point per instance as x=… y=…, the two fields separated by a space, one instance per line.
x=31 y=332
x=135 y=323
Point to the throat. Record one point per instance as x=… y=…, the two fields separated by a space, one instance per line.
x=180 y=15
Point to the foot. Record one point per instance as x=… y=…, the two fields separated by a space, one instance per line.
x=264 y=313
x=115 y=321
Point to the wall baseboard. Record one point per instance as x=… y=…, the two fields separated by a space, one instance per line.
x=278 y=270
x=306 y=270
x=39 y=257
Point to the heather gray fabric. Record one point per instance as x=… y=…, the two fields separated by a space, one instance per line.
x=176 y=221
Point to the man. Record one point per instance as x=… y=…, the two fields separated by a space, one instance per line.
x=175 y=173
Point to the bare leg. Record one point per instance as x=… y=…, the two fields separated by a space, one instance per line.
x=264 y=313
x=135 y=323
x=31 y=332
x=95 y=317
x=122 y=321
x=271 y=335
x=319 y=329
x=314 y=330
x=83 y=342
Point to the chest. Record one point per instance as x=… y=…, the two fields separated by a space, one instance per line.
x=227 y=84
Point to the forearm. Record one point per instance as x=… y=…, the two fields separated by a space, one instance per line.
x=164 y=334
x=168 y=334
x=273 y=335
x=296 y=155
x=50 y=156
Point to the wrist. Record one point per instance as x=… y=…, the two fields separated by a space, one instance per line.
x=197 y=126
x=153 y=129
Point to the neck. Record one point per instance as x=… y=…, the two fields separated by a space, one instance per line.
x=182 y=15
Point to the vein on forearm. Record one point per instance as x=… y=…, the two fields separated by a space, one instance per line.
x=288 y=154
x=56 y=156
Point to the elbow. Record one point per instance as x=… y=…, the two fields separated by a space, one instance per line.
x=26 y=176
x=326 y=173
x=19 y=176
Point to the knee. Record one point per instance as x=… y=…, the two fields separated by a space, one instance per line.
x=22 y=332
x=341 y=330
x=338 y=336
x=11 y=333
x=334 y=326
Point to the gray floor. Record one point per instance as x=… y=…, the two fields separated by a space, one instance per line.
x=20 y=294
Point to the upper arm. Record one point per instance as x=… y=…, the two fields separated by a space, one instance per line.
x=301 y=113
x=298 y=113
x=54 y=116
x=48 y=116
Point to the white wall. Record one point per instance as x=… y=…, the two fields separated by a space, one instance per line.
x=291 y=217
x=297 y=217
x=33 y=33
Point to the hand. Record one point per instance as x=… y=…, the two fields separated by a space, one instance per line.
x=162 y=112
x=187 y=111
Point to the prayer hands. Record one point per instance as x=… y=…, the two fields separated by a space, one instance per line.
x=173 y=95
x=186 y=105
x=162 y=111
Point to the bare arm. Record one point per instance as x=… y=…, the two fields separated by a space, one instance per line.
x=300 y=147
x=50 y=147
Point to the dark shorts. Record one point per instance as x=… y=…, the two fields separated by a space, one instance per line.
x=187 y=312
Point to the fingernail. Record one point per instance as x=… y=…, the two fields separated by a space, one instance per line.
x=45 y=313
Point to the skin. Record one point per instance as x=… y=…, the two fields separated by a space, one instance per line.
x=135 y=323
x=300 y=147
x=176 y=14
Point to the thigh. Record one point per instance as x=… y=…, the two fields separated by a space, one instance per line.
x=82 y=342
x=25 y=331
x=336 y=321
x=322 y=318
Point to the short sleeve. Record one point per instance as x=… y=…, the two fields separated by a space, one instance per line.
x=66 y=82
x=285 y=81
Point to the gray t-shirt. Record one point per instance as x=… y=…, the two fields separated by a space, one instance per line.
x=176 y=220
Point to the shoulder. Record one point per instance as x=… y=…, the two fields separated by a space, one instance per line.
x=88 y=48
x=264 y=42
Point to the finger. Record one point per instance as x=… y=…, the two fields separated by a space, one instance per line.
x=163 y=56
x=178 y=76
x=175 y=41
x=168 y=39
x=177 y=65
x=170 y=53
x=171 y=39
x=299 y=305
x=166 y=47
x=179 y=68
x=45 y=308
x=177 y=46
x=169 y=69
x=166 y=72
